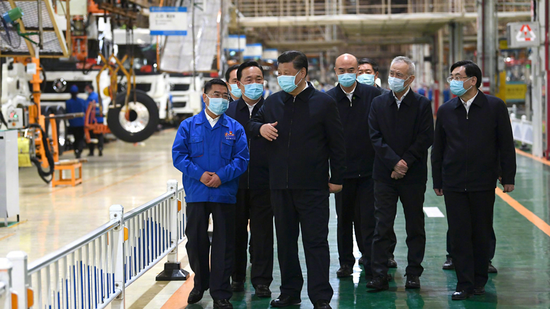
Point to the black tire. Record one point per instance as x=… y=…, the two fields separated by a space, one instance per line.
x=144 y=117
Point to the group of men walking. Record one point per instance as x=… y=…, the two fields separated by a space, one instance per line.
x=255 y=160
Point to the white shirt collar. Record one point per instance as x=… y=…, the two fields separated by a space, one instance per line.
x=250 y=107
x=211 y=120
x=402 y=98
x=349 y=94
x=468 y=103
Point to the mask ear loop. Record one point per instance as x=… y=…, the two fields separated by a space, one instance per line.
x=300 y=79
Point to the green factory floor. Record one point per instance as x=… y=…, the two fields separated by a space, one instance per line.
x=522 y=259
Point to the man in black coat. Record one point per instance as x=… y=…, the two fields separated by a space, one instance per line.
x=253 y=197
x=367 y=74
x=473 y=147
x=305 y=137
x=355 y=203
x=401 y=130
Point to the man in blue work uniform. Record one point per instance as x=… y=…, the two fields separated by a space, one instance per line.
x=76 y=125
x=355 y=203
x=473 y=147
x=210 y=150
x=93 y=97
x=253 y=197
x=305 y=138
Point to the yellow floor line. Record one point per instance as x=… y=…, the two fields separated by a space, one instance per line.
x=179 y=299
x=7 y=236
x=20 y=222
x=123 y=180
x=526 y=154
x=538 y=222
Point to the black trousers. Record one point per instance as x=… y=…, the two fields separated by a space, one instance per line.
x=212 y=263
x=256 y=206
x=412 y=198
x=79 y=142
x=470 y=218
x=308 y=209
x=100 y=142
x=492 y=245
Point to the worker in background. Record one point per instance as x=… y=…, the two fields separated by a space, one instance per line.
x=305 y=137
x=93 y=97
x=253 y=197
x=76 y=125
x=367 y=74
x=401 y=130
x=231 y=79
x=473 y=148
x=355 y=203
x=210 y=150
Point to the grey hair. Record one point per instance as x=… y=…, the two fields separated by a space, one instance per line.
x=408 y=61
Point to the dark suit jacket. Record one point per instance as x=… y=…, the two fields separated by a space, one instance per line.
x=257 y=174
x=405 y=133
x=355 y=119
x=472 y=150
x=310 y=134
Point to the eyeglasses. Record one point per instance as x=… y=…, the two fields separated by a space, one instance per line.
x=216 y=94
x=398 y=75
x=450 y=78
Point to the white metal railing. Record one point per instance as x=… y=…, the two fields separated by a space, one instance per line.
x=95 y=270
x=522 y=129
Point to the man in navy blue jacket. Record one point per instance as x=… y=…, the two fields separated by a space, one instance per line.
x=304 y=132
x=210 y=150
x=355 y=203
x=473 y=147
x=401 y=130
x=253 y=197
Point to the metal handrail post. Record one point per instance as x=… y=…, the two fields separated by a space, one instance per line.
x=5 y=281
x=19 y=277
x=117 y=212
x=172 y=268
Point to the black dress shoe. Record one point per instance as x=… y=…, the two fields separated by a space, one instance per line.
x=195 y=296
x=284 y=301
x=361 y=261
x=479 y=290
x=262 y=291
x=344 y=271
x=492 y=269
x=370 y=282
x=448 y=265
x=322 y=304
x=222 y=304
x=392 y=263
x=413 y=282
x=237 y=286
x=461 y=295
x=379 y=283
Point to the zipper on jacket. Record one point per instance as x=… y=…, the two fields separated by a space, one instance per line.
x=467 y=151
x=289 y=136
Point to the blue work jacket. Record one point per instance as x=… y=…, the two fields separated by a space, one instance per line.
x=93 y=97
x=222 y=149
x=77 y=105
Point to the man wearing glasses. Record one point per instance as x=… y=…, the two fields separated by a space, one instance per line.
x=473 y=147
x=211 y=151
x=401 y=130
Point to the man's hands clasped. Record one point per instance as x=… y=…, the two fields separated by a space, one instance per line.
x=399 y=170
x=210 y=179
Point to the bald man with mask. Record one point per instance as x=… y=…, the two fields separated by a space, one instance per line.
x=355 y=203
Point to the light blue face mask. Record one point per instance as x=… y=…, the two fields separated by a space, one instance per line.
x=396 y=84
x=217 y=106
x=367 y=79
x=287 y=82
x=457 y=87
x=253 y=91
x=235 y=91
x=347 y=79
